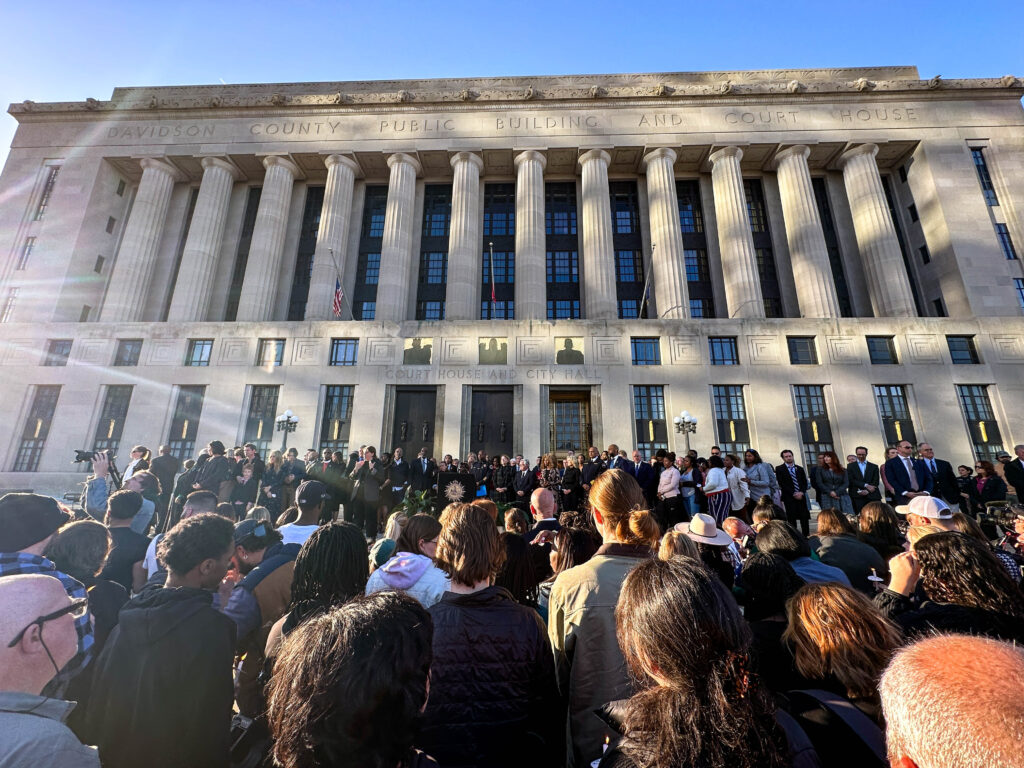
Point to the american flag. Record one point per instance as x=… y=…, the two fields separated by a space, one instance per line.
x=336 y=304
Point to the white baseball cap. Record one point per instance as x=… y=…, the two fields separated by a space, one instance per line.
x=926 y=506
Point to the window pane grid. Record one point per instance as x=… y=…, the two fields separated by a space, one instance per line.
x=44 y=199
x=815 y=428
x=987 y=189
x=962 y=350
x=368 y=268
x=629 y=267
x=199 y=352
x=981 y=424
x=563 y=267
x=344 y=351
x=270 y=352
x=112 y=415
x=691 y=217
x=649 y=419
x=731 y=426
x=1003 y=233
x=881 y=350
x=185 y=421
x=894 y=410
x=802 y=350
x=563 y=309
x=57 y=352
x=498 y=310
x=26 y=251
x=646 y=351
x=8 y=307
x=128 y=352
x=723 y=351
x=259 y=423
x=36 y=429
x=430 y=310
x=504 y=267
x=337 y=418
x=433 y=268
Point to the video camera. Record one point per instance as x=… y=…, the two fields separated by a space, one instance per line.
x=88 y=456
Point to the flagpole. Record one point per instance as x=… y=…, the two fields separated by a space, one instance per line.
x=337 y=276
x=492 y=280
x=647 y=283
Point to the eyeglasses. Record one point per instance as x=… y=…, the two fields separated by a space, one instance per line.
x=77 y=608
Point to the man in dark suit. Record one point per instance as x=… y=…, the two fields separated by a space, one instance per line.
x=909 y=477
x=543 y=511
x=1013 y=471
x=864 y=480
x=646 y=478
x=591 y=469
x=523 y=485
x=165 y=467
x=422 y=471
x=369 y=474
x=943 y=479
x=618 y=462
x=399 y=475
x=793 y=486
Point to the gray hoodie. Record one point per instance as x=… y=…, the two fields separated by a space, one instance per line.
x=416 y=575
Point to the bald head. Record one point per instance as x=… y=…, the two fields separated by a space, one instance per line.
x=954 y=700
x=26 y=667
x=542 y=503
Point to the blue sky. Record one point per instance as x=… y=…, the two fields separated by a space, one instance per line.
x=64 y=51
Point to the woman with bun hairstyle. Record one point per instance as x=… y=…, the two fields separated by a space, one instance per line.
x=581 y=611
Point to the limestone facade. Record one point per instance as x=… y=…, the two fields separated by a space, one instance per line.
x=757 y=217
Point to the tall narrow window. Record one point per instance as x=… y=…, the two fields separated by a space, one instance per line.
x=695 y=253
x=812 y=417
x=1018 y=284
x=759 y=228
x=364 y=294
x=835 y=258
x=36 y=429
x=185 y=421
x=112 y=416
x=628 y=247
x=732 y=430
x=304 y=257
x=193 y=197
x=894 y=411
x=981 y=166
x=649 y=419
x=7 y=310
x=981 y=421
x=431 y=291
x=252 y=205
x=337 y=418
x=259 y=422
x=497 y=294
x=889 y=199
x=44 y=198
x=25 y=252
x=1003 y=233
x=562 y=244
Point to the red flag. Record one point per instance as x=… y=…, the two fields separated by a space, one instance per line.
x=336 y=304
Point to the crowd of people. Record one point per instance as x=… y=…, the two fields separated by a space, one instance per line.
x=608 y=609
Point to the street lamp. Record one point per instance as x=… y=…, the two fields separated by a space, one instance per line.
x=286 y=422
x=686 y=423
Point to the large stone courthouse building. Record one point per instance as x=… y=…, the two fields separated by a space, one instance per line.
x=807 y=258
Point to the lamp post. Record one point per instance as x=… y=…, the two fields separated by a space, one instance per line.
x=686 y=423
x=286 y=422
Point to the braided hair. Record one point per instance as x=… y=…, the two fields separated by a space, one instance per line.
x=331 y=568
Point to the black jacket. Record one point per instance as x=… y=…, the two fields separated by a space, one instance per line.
x=1014 y=472
x=162 y=688
x=591 y=469
x=504 y=477
x=994 y=489
x=493 y=699
x=857 y=480
x=421 y=480
x=526 y=484
x=214 y=472
x=930 y=617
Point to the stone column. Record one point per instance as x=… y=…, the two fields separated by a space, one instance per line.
x=598 y=251
x=739 y=260
x=668 y=264
x=812 y=272
x=396 y=256
x=531 y=238
x=262 y=270
x=133 y=271
x=191 y=298
x=880 y=251
x=332 y=240
x=465 y=270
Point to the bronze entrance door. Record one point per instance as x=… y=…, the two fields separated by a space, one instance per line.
x=413 y=427
x=490 y=426
x=569 y=422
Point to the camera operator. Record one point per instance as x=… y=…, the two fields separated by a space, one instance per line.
x=103 y=482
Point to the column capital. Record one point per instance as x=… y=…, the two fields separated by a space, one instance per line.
x=280 y=160
x=402 y=157
x=864 y=149
x=595 y=154
x=211 y=161
x=730 y=151
x=658 y=154
x=335 y=159
x=156 y=164
x=531 y=155
x=797 y=150
x=467 y=157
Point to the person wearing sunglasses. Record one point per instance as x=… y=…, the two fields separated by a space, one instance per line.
x=37 y=639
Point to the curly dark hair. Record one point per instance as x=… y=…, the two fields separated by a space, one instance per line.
x=768 y=581
x=960 y=570
x=193 y=540
x=708 y=709
x=348 y=686
x=79 y=549
x=331 y=568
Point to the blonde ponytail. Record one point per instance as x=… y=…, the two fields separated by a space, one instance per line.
x=622 y=505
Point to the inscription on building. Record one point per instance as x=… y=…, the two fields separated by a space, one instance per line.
x=545 y=122
x=160 y=131
x=288 y=128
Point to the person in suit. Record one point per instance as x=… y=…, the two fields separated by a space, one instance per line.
x=943 y=478
x=368 y=474
x=615 y=461
x=572 y=484
x=909 y=477
x=422 y=471
x=1013 y=472
x=793 y=485
x=543 y=509
x=864 y=480
x=399 y=475
x=591 y=469
x=646 y=477
x=523 y=485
